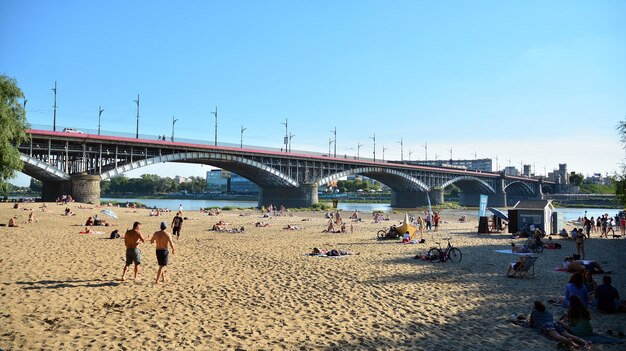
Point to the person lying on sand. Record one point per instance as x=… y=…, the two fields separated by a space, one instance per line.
x=572 y=266
x=261 y=224
x=291 y=227
x=333 y=252
x=543 y=321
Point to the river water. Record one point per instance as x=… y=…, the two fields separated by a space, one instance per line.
x=173 y=204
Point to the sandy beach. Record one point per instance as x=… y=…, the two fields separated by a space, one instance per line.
x=258 y=290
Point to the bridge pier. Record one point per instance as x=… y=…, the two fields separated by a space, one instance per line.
x=473 y=200
x=303 y=196
x=412 y=199
x=83 y=188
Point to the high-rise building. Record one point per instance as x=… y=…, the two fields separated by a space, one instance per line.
x=225 y=181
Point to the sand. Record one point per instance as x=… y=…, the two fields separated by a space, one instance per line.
x=60 y=290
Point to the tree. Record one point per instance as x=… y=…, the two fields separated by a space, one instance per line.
x=576 y=178
x=13 y=127
x=620 y=179
x=35 y=185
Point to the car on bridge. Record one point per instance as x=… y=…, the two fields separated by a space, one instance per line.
x=72 y=130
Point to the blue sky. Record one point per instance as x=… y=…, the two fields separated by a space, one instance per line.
x=539 y=82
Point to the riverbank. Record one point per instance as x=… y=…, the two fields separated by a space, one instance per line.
x=259 y=290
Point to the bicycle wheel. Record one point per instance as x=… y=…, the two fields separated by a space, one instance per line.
x=455 y=255
x=381 y=234
x=539 y=248
x=434 y=255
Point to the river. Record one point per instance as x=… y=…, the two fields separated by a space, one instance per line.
x=173 y=204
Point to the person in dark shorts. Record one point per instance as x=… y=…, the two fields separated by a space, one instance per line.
x=177 y=225
x=163 y=240
x=133 y=254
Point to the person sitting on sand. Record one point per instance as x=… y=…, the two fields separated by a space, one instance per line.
x=462 y=219
x=31 y=218
x=608 y=297
x=115 y=234
x=333 y=252
x=89 y=221
x=563 y=233
x=578 y=318
x=343 y=227
x=543 y=321
x=13 y=222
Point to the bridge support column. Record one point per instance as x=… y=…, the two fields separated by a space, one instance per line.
x=436 y=197
x=55 y=189
x=86 y=188
x=473 y=200
x=303 y=196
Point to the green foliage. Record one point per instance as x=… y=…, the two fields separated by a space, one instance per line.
x=12 y=128
x=576 y=179
x=354 y=185
x=151 y=184
x=620 y=179
x=586 y=188
x=35 y=185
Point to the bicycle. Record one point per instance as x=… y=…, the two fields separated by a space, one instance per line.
x=442 y=255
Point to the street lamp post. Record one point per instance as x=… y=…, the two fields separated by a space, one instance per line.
x=330 y=142
x=286 y=134
x=290 y=136
x=215 y=114
x=100 y=110
x=425 y=151
x=137 y=102
x=173 y=123
x=374 y=138
x=241 y=140
x=384 y=148
x=410 y=153
x=358 y=148
x=335 y=141
x=401 y=150
x=54 y=122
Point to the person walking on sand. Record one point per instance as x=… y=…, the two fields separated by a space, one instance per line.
x=133 y=254
x=177 y=224
x=163 y=239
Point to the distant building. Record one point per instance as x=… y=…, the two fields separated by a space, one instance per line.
x=511 y=171
x=180 y=180
x=227 y=182
x=559 y=176
x=597 y=178
x=527 y=171
x=481 y=164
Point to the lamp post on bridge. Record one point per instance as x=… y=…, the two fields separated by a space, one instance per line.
x=286 y=135
x=290 y=136
x=384 y=148
x=54 y=121
x=137 y=102
x=100 y=110
x=374 y=138
x=425 y=151
x=335 y=141
x=401 y=150
x=173 y=123
x=358 y=148
x=330 y=142
x=241 y=139
x=410 y=153
x=215 y=114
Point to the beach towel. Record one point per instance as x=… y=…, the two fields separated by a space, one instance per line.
x=514 y=253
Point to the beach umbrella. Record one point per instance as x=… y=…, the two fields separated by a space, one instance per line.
x=498 y=213
x=109 y=213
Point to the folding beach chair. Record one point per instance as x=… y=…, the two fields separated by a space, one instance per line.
x=525 y=268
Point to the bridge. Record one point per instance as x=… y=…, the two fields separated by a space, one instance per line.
x=71 y=163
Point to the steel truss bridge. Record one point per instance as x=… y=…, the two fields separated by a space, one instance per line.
x=70 y=163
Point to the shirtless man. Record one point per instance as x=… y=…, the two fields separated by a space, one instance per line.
x=163 y=239
x=133 y=254
x=13 y=222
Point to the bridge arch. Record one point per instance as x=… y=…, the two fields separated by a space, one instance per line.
x=394 y=179
x=256 y=172
x=41 y=170
x=469 y=184
x=519 y=188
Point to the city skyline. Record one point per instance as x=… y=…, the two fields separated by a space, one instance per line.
x=535 y=83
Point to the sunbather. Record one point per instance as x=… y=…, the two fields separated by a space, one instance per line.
x=543 y=321
x=333 y=252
